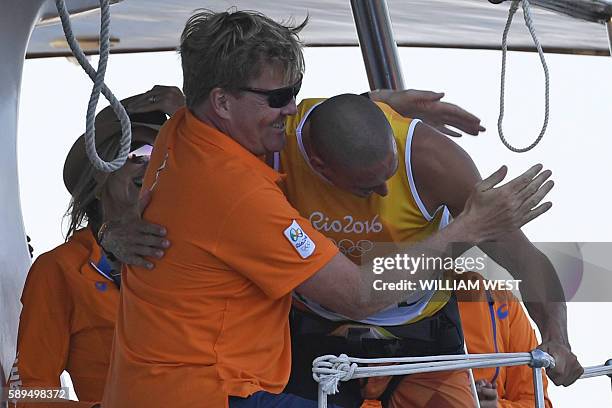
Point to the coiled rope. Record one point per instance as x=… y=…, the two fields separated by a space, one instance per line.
x=98 y=78
x=529 y=22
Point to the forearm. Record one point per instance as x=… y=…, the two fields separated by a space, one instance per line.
x=551 y=319
x=544 y=299
x=540 y=287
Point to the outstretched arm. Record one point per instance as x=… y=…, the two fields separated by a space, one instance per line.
x=427 y=105
x=445 y=175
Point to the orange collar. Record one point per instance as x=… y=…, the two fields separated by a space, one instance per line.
x=226 y=143
x=85 y=237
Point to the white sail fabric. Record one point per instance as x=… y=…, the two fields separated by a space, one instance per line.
x=141 y=25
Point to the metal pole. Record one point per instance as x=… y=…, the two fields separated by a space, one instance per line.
x=609 y=27
x=377 y=44
x=609 y=362
x=539 y=360
x=322 y=397
x=472 y=382
x=538 y=387
x=16 y=24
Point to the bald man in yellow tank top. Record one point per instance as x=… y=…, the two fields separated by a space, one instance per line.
x=358 y=201
x=356 y=218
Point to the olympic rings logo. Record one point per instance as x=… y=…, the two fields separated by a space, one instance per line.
x=354 y=249
x=295 y=234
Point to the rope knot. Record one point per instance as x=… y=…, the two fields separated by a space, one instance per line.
x=329 y=370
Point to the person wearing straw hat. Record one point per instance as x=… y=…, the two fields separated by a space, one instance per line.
x=71 y=295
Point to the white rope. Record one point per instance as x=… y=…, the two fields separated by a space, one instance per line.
x=446 y=357
x=98 y=78
x=329 y=370
x=530 y=26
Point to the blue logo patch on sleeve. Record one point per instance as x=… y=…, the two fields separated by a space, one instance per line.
x=101 y=286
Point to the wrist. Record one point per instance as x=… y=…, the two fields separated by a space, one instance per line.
x=556 y=336
x=466 y=230
x=381 y=95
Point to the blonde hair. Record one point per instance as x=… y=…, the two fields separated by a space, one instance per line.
x=228 y=50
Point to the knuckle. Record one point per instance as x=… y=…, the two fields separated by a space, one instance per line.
x=531 y=203
x=531 y=189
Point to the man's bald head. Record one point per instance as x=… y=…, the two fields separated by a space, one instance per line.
x=352 y=139
x=349 y=131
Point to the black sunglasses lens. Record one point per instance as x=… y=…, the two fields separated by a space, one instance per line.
x=280 y=98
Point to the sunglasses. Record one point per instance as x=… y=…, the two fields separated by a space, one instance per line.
x=277 y=98
x=140 y=153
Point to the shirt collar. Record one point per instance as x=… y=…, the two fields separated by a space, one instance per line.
x=229 y=145
x=85 y=237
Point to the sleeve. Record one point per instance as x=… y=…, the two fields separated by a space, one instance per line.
x=519 y=382
x=44 y=333
x=268 y=242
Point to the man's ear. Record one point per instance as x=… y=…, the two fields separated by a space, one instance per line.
x=220 y=101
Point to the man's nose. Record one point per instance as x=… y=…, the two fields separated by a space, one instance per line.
x=290 y=108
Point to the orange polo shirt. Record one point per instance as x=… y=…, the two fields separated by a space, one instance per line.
x=67 y=322
x=211 y=319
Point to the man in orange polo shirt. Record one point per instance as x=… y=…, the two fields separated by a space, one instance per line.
x=210 y=323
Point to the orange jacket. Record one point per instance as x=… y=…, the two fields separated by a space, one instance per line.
x=514 y=334
x=67 y=323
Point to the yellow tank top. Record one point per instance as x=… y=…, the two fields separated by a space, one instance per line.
x=355 y=224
